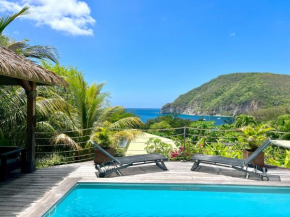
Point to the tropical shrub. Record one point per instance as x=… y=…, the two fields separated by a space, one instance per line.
x=50 y=161
x=163 y=125
x=102 y=138
x=244 y=120
x=154 y=145
x=119 y=152
x=282 y=124
x=254 y=136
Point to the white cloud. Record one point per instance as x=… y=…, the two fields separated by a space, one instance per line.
x=70 y=16
x=233 y=34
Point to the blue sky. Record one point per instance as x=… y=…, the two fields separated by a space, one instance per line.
x=151 y=51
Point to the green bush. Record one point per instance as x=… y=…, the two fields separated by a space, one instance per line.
x=154 y=145
x=119 y=152
x=53 y=160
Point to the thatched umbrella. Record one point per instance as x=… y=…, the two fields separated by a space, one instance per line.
x=17 y=70
x=14 y=68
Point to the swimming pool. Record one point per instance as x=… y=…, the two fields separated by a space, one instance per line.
x=99 y=199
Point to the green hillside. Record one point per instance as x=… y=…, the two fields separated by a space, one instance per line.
x=234 y=94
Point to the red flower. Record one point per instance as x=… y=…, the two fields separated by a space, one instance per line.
x=174 y=154
x=181 y=149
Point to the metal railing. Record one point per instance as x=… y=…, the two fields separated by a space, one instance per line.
x=183 y=140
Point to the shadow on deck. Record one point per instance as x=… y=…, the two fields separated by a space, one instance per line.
x=22 y=190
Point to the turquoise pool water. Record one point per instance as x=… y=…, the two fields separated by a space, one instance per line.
x=122 y=200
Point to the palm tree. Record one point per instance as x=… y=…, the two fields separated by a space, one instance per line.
x=81 y=109
x=89 y=110
x=13 y=109
x=12 y=100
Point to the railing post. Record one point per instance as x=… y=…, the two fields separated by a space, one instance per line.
x=183 y=152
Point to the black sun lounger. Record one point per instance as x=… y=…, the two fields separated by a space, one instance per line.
x=119 y=163
x=241 y=165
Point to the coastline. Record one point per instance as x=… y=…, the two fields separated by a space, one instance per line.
x=151 y=113
x=223 y=116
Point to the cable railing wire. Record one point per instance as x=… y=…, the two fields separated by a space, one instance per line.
x=76 y=150
x=72 y=137
x=146 y=130
x=171 y=133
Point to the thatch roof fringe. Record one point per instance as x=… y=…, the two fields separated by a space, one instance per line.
x=15 y=66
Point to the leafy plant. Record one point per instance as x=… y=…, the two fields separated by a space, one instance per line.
x=119 y=152
x=50 y=161
x=244 y=120
x=254 y=136
x=160 y=129
x=102 y=138
x=154 y=145
x=282 y=124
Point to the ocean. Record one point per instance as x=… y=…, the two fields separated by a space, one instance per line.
x=150 y=113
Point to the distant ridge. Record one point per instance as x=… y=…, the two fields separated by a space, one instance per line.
x=234 y=94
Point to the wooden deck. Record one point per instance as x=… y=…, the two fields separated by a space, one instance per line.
x=32 y=194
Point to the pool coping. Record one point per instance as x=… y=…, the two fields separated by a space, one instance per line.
x=52 y=197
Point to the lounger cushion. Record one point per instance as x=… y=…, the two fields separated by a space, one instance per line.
x=141 y=158
x=217 y=159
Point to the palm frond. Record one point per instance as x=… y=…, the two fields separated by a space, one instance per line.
x=6 y=20
x=107 y=112
x=44 y=126
x=41 y=52
x=18 y=45
x=64 y=139
x=47 y=106
x=5 y=40
x=125 y=123
x=127 y=134
x=62 y=121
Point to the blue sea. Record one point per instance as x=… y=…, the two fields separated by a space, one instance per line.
x=151 y=113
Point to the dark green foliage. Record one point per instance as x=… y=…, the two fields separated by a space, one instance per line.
x=103 y=138
x=271 y=113
x=172 y=120
x=235 y=94
x=282 y=124
x=119 y=152
x=119 y=114
x=244 y=120
x=165 y=122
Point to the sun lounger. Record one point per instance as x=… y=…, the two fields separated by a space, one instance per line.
x=11 y=158
x=241 y=165
x=117 y=163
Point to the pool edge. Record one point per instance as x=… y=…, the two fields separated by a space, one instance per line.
x=50 y=198
x=55 y=195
